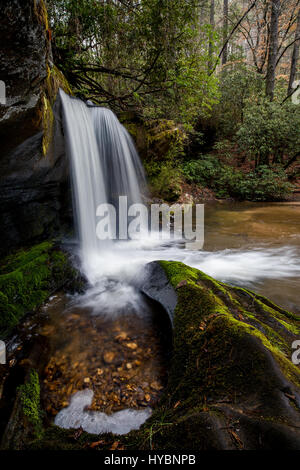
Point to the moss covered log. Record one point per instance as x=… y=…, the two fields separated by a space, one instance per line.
x=27 y=279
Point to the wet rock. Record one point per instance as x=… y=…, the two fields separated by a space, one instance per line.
x=231 y=364
x=34 y=194
x=132 y=346
x=108 y=357
x=157 y=286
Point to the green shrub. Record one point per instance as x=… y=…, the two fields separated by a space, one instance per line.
x=166 y=184
x=264 y=184
x=270 y=131
x=203 y=171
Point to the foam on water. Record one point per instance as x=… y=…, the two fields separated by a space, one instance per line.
x=105 y=165
x=243 y=266
x=115 y=276
x=76 y=415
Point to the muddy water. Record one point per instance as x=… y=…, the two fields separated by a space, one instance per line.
x=122 y=360
x=259 y=226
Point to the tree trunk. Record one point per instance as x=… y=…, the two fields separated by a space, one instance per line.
x=225 y=32
x=212 y=24
x=295 y=56
x=273 y=49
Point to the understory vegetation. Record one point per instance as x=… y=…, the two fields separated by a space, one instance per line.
x=264 y=184
x=225 y=73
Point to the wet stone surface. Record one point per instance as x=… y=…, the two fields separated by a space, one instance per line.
x=122 y=360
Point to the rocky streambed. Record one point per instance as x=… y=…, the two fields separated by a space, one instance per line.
x=211 y=363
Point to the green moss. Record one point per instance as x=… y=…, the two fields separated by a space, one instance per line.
x=230 y=346
x=60 y=81
x=30 y=399
x=203 y=299
x=224 y=349
x=178 y=272
x=54 y=80
x=41 y=13
x=27 y=278
x=48 y=120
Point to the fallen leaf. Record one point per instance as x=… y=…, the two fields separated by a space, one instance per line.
x=181 y=284
x=114 y=445
x=109 y=357
x=96 y=444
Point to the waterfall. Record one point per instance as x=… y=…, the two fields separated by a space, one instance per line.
x=123 y=171
x=104 y=166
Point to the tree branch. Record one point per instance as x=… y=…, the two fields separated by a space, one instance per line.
x=231 y=34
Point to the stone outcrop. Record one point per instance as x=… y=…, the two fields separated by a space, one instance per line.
x=232 y=383
x=34 y=188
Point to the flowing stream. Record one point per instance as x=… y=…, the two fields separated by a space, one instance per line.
x=256 y=245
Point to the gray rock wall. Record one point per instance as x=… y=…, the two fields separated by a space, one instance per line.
x=34 y=187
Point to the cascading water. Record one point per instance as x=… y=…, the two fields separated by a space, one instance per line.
x=105 y=165
x=123 y=171
x=87 y=171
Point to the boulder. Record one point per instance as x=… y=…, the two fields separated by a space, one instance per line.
x=34 y=188
x=232 y=383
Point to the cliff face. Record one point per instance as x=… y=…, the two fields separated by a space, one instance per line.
x=34 y=188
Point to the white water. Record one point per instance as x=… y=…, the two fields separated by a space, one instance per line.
x=122 y=169
x=94 y=422
x=105 y=165
x=87 y=173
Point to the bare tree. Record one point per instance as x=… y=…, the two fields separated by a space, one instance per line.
x=225 y=32
x=273 y=49
x=295 y=56
x=212 y=24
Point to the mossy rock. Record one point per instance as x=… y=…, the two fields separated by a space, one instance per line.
x=27 y=278
x=231 y=370
x=26 y=420
x=156 y=139
x=231 y=382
